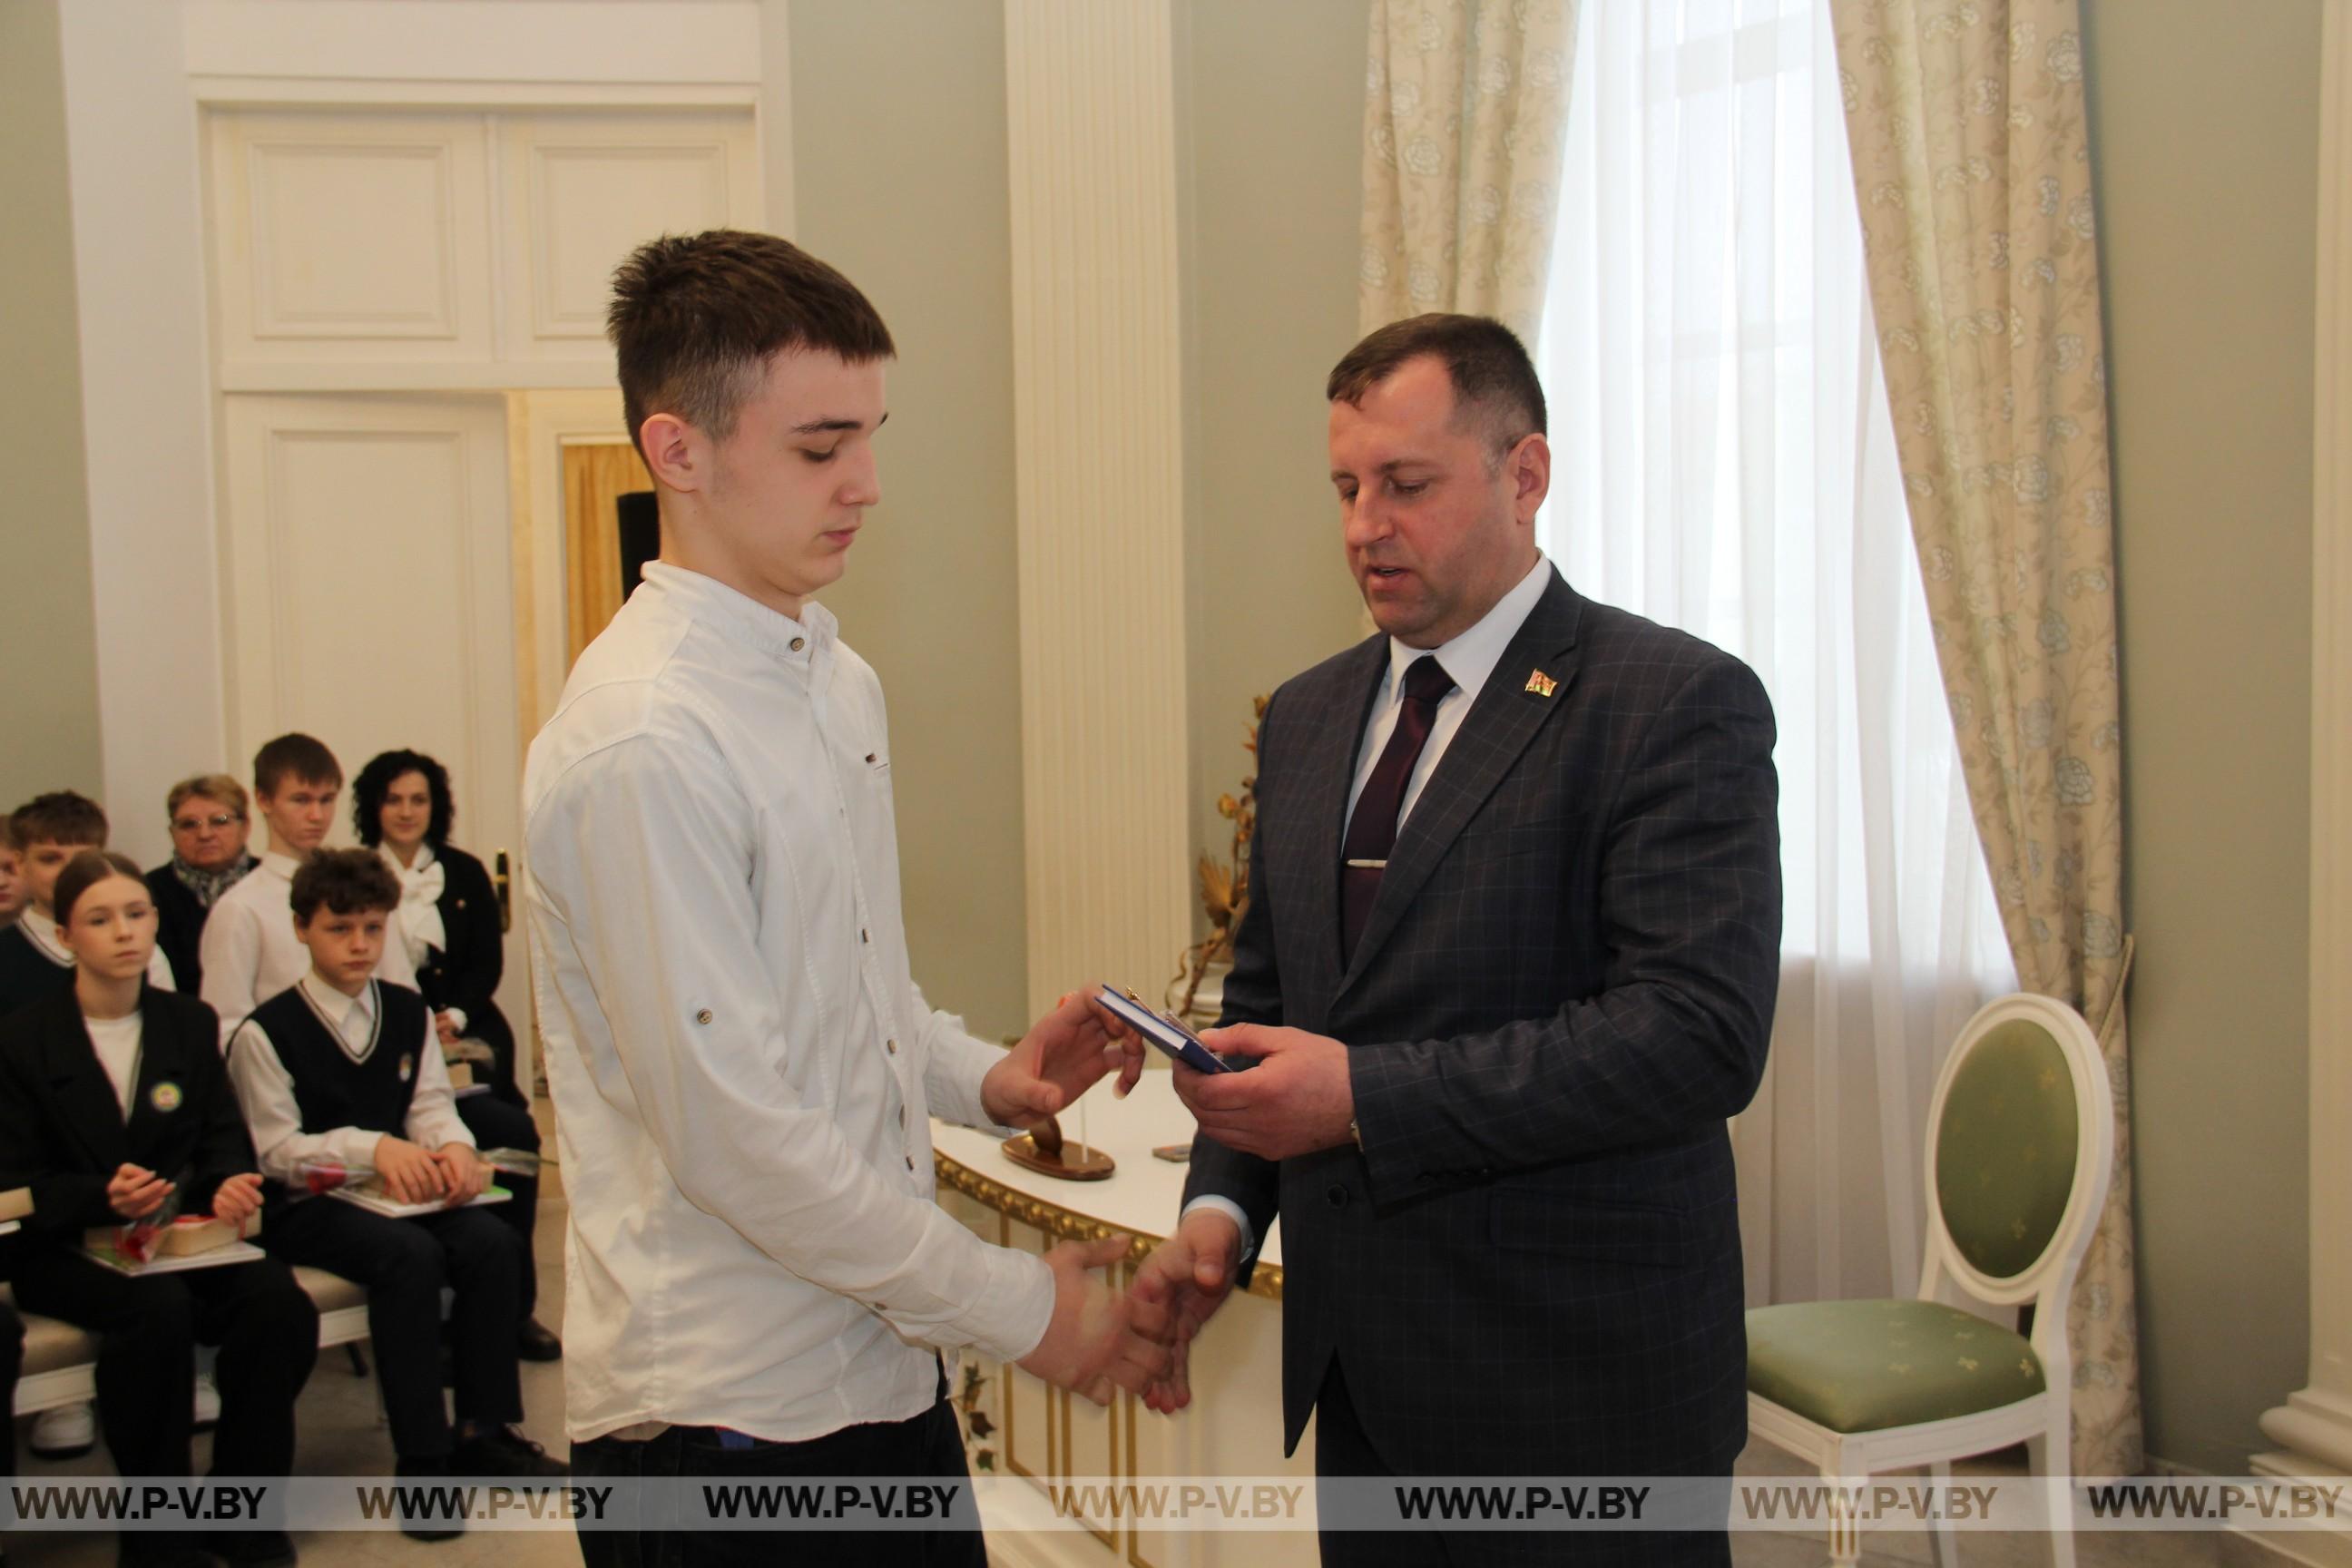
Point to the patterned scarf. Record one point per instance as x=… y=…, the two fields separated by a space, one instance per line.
x=208 y=886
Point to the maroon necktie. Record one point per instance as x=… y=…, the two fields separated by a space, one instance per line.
x=1371 y=832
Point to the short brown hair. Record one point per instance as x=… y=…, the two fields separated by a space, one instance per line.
x=294 y=756
x=695 y=318
x=60 y=816
x=84 y=871
x=1493 y=380
x=346 y=881
x=206 y=787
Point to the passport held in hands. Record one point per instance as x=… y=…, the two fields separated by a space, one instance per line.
x=1163 y=1031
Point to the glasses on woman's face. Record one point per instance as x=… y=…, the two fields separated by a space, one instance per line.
x=218 y=821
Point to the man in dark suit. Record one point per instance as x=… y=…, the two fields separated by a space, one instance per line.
x=1508 y=963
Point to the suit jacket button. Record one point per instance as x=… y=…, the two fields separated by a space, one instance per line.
x=1336 y=1197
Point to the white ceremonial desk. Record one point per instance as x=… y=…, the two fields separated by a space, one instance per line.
x=1234 y=1426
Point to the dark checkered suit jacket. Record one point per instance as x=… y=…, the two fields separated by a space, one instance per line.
x=1565 y=988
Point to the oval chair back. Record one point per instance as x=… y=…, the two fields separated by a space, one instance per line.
x=2021 y=1144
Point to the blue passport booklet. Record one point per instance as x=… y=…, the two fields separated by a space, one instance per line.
x=1161 y=1030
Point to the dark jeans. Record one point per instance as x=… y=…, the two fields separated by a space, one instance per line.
x=498 y=1124
x=929 y=1444
x=403 y=1263
x=148 y=1330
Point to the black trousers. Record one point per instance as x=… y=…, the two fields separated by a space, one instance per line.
x=929 y=1444
x=12 y=1362
x=1343 y=1449
x=148 y=1330
x=404 y=1263
x=498 y=1124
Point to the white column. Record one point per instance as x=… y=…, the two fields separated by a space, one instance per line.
x=2314 y=1427
x=1097 y=386
x=146 y=411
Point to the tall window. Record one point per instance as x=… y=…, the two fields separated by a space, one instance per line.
x=1724 y=462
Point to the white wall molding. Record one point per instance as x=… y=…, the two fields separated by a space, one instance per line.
x=139 y=80
x=301 y=92
x=631 y=41
x=2314 y=1427
x=1097 y=394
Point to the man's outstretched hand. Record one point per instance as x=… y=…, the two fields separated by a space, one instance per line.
x=1097 y=1339
x=1181 y=1284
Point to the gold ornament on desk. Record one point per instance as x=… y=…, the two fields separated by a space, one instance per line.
x=1225 y=884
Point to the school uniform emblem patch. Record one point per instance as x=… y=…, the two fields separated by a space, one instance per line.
x=164 y=1097
x=407 y=1066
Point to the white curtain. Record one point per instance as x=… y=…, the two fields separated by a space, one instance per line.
x=1725 y=463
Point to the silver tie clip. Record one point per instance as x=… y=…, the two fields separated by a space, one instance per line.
x=1367 y=865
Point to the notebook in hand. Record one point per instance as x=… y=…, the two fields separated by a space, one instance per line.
x=1162 y=1030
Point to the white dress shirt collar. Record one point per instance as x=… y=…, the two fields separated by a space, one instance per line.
x=1471 y=657
x=282 y=866
x=353 y=1018
x=738 y=615
x=42 y=931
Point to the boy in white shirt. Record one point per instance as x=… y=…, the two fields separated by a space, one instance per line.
x=344 y=1069
x=742 y=1069
x=249 y=951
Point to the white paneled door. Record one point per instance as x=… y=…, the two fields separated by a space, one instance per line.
x=369 y=600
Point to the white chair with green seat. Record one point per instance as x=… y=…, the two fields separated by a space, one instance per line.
x=2019 y=1141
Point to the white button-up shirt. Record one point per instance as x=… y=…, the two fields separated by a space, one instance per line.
x=742 y=1069
x=250 y=953
x=264 y=1090
x=1469 y=659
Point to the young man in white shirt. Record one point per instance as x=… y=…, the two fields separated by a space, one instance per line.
x=742 y=1069
x=343 y=1071
x=249 y=951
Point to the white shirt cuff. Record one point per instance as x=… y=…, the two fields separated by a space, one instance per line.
x=1231 y=1210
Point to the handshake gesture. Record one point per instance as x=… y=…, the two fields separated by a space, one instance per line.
x=1099 y=1340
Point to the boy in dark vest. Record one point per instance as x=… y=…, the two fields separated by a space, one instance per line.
x=342 y=1068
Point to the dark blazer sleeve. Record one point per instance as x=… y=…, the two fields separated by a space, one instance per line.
x=1689 y=906
x=34 y=1150
x=475 y=958
x=1253 y=995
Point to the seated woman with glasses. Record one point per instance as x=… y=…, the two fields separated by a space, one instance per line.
x=209 y=824
x=402 y=807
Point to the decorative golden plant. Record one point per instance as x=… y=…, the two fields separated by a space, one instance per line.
x=1225 y=884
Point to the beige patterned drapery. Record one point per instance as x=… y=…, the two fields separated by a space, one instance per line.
x=1971 y=164
x=1466 y=114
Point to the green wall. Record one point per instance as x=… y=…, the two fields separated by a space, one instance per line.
x=899 y=176
x=48 y=643
x=1270 y=103
x=2205 y=137
x=898 y=139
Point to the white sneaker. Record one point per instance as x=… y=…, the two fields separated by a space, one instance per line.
x=65 y=1433
x=207 y=1412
